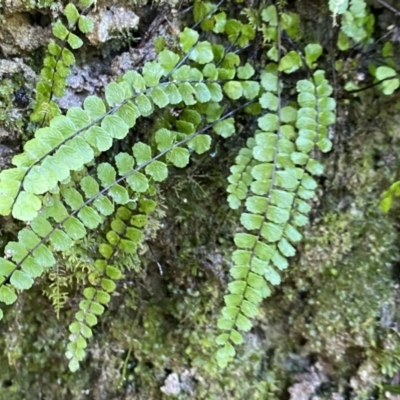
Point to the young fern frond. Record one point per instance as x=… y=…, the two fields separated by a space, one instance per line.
x=281 y=182
x=57 y=62
x=57 y=290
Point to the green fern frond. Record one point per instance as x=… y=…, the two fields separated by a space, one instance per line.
x=273 y=177
x=57 y=291
x=58 y=61
x=124 y=237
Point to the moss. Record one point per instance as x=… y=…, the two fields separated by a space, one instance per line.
x=343 y=293
x=12 y=94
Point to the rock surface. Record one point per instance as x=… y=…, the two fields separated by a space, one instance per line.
x=18 y=35
x=110 y=22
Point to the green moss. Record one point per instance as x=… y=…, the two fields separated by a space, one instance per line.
x=12 y=95
x=345 y=289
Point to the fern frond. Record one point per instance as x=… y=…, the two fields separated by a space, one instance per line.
x=57 y=291
x=279 y=181
x=124 y=237
x=57 y=62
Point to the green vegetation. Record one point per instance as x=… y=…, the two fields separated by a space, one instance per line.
x=115 y=215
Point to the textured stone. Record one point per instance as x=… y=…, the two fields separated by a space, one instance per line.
x=18 y=35
x=108 y=23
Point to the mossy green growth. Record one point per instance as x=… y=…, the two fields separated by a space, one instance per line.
x=165 y=346
x=345 y=289
x=13 y=96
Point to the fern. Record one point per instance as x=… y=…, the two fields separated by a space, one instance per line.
x=123 y=237
x=57 y=291
x=41 y=191
x=357 y=23
x=58 y=60
x=280 y=183
x=273 y=175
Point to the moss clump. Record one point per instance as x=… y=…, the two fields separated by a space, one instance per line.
x=13 y=96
